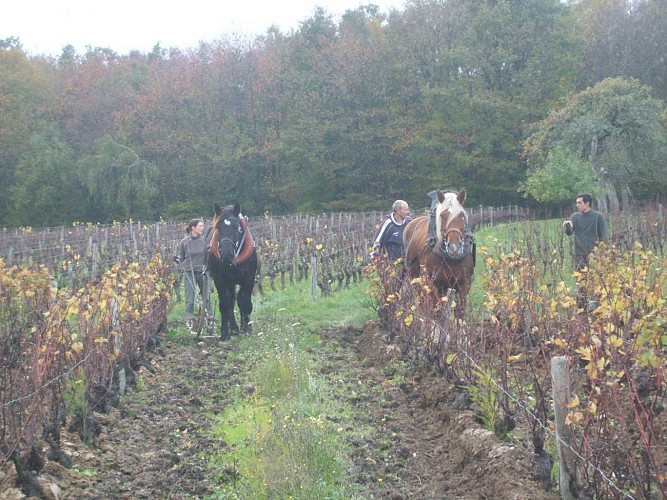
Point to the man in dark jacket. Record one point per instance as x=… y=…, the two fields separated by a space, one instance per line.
x=588 y=227
x=389 y=237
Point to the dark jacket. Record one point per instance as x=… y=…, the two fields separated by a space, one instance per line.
x=389 y=238
x=588 y=228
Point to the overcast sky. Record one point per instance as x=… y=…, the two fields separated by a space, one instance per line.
x=46 y=26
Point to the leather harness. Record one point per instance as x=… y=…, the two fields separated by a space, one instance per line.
x=246 y=246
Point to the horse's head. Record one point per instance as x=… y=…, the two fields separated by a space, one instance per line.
x=227 y=233
x=451 y=224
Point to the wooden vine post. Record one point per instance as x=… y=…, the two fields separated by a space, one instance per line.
x=560 y=382
x=313 y=277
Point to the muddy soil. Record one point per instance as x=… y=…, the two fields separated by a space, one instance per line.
x=423 y=439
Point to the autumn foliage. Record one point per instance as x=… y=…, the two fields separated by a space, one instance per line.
x=57 y=344
x=609 y=320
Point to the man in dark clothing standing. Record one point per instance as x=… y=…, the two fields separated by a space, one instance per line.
x=389 y=238
x=588 y=227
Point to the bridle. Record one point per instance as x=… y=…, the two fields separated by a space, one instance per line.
x=216 y=243
x=466 y=241
x=445 y=240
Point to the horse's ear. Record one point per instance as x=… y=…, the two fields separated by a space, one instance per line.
x=217 y=209
x=441 y=196
x=461 y=195
x=237 y=209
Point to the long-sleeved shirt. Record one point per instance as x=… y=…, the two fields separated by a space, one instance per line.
x=191 y=251
x=588 y=228
x=389 y=238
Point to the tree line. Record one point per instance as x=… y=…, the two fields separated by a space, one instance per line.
x=519 y=101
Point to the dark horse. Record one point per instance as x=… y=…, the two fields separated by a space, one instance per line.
x=232 y=261
x=450 y=263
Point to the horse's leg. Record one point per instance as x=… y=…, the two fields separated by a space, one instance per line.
x=244 y=300
x=223 y=307
x=460 y=309
x=224 y=316
x=463 y=289
x=233 y=325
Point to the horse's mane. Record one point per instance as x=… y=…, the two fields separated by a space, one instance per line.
x=450 y=203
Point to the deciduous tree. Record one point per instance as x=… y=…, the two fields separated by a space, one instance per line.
x=618 y=129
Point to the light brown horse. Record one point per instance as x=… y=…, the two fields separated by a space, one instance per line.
x=450 y=263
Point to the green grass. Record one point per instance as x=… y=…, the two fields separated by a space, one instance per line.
x=345 y=307
x=279 y=441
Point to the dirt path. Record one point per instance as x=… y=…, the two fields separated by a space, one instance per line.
x=433 y=450
x=417 y=445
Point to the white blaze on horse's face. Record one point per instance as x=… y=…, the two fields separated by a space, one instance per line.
x=451 y=220
x=228 y=239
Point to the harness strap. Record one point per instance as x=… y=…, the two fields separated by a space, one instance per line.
x=247 y=244
x=213 y=243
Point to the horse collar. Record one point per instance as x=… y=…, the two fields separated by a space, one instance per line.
x=245 y=247
x=213 y=243
x=247 y=244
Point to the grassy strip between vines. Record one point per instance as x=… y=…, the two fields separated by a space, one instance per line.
x=281 y=438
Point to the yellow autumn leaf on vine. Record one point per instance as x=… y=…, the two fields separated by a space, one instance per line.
x=559 y=342
x=584 y=352
x=574 y=402
x=408 y=320
x=319 y=246
x=72 y=311
x=574 y=418
x=77 y=347
x=615 y=341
